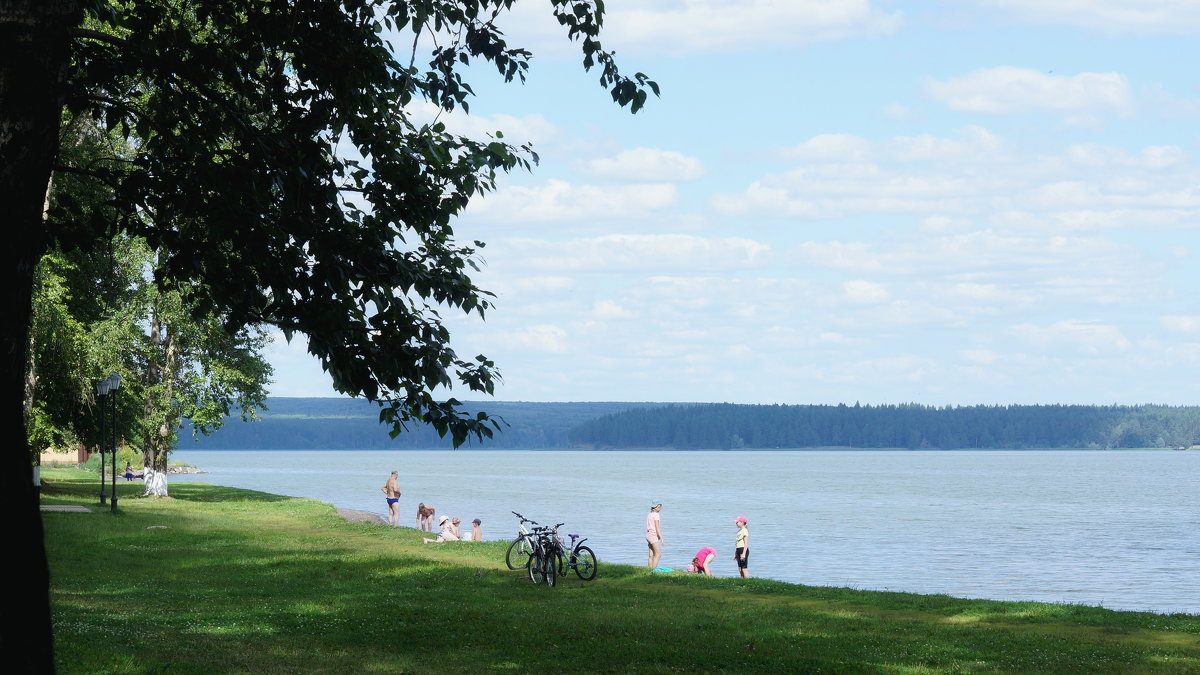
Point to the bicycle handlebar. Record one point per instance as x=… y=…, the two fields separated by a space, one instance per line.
x=523 y=518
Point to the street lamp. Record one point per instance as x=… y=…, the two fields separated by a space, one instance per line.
x=102 y=387
x=114 y=383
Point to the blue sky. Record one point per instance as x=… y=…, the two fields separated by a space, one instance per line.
x=840 y=200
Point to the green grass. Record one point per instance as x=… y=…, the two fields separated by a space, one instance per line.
x=220 y=580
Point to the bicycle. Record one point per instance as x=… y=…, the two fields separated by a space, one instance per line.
x=521 y=547
x=581 y=558
x=543 y=560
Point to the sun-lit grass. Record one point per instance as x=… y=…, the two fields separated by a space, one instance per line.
x=219 y=580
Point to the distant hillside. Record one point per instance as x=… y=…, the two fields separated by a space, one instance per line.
x=729 y=426
x=353 y=424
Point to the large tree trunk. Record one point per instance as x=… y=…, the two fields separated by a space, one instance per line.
x=34 y=50
x=159 y=371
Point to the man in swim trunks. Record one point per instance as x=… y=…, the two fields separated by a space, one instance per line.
x=391 y=491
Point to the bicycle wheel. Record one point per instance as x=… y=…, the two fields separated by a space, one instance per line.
x=585 y=563
x=550 y=567
x=560 y=561
x=534 y=565
x=517 y=555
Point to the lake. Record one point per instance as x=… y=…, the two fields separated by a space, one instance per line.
x=1118 y=529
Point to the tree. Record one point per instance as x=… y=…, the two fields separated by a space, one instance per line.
x=191 y=366
x=98 y=311
x=239 y=110
x=54 y=395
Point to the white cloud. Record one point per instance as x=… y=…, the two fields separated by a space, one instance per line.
x=975 y=178
x=544 y=338
x=1014 y=90
x=1090 y=338
x=558 y=201
x=648 y=165
x=681 y=27
x=690 y=26
x=516 y=130
x=608 y=309
x=1141 y=16
x=907 y=367
x=984 y=357
x=528 y=284
x=972 y=142
x=657 y=253
x=865 y=292
x=831 y=147
x=1182 y=323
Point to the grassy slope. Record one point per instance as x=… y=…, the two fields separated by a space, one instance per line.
x=224 y=580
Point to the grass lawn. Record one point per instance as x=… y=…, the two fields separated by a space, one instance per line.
x=221 y=580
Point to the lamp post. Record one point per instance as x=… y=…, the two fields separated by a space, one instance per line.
x=102 y=387
x=114 y=383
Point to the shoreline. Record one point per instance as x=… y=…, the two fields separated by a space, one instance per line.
x=357 y=516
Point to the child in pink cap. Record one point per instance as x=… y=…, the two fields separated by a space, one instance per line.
x=741 y=552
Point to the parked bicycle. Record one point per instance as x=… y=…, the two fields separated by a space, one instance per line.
x=579 y=558
x=517 y=556
x=544 y=559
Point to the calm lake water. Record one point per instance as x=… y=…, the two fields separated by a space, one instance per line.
x=1110 y=528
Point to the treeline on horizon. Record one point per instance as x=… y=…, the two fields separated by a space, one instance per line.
x=353 y=424
x=913 y=426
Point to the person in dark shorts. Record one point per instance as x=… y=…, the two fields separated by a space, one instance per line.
x=741 y=552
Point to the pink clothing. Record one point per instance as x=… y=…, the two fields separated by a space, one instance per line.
x=651 y=526
x=703 y=554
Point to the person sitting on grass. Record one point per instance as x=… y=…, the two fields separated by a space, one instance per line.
x=446 y=533
x=477 y=530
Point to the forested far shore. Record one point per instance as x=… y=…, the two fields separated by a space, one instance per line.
x=732 y=426
x=353 y=424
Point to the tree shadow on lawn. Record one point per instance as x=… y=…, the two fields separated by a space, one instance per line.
x=67 y=488
x=204 y=492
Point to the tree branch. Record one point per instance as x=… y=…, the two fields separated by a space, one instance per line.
x=98 y=35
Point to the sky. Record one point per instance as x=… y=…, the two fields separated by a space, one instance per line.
x=946 y=203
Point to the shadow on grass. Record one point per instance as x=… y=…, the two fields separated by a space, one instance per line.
x=89 y=488
x=202 y=492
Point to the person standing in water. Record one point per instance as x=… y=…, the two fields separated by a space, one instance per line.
x=741 y=553
x=654 y=538
x=391 y=492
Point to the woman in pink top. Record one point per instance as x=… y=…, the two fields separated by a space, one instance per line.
x=654 y=538
x=703 y=560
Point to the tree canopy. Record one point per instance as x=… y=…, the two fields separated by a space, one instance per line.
x=279 y=162
x=277 y=166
